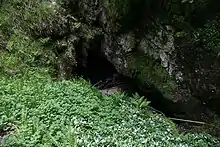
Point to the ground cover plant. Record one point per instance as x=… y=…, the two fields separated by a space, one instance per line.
x=36 y=111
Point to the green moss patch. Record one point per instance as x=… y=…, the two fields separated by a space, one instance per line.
x=149 y=71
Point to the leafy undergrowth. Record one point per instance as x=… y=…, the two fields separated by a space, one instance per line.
x=41 y=112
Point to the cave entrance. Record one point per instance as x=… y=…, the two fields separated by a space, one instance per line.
x=102 y=74
x=98 y=68
x=94 y=67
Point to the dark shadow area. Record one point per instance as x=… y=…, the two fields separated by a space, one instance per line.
x=97 y=68
x=94 y=67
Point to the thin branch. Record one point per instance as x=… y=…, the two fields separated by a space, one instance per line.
x=185 y=120
x=153 y=109
x=188 y=121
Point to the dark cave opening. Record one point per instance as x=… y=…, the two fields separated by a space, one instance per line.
x=102 y=74
x=94 y=67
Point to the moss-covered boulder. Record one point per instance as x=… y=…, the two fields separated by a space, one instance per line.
x=151 y=63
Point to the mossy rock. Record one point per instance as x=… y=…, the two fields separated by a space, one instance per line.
x=152 y=73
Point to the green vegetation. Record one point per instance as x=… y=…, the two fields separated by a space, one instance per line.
x=22 y=52
x=28 y=16
x=153 y=73
x=125 y=15
x=118 y=8
x=35 y=34
x=40 y=112
x=21 y=33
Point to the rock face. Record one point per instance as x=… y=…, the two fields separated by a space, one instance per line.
x=186 y=76
x=152 y=61
x=139 y=39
